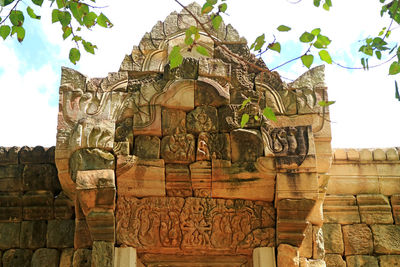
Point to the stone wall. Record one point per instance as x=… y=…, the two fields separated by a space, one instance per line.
x=36 y=219
x=361 y=209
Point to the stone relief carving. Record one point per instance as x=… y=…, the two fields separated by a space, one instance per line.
x=194 y=224
x=178 y=148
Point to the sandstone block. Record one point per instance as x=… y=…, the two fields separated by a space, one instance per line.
x=28 y=155
x=60 y=233
x=8 y=155
x=386 y=239
x=213 y=146
x=33 y=234
x=101 y=225
x=306 y=247
x=389 y=260
x=202 y=119
x=177 y=180
x=333 y=238
x=9 y=235
x=173 y=121
x=125 y=257
x=82 y=237
x=103 y=254
x=82 y=258
x=122 y=148
x=210 y=92
x=374 y=209
x=341 y=209
x=200 y=175
x=334 y=260
x=361 y=261
x=318 y=243
x=46 y=257
x=38 y=205
x=179 y=95
x=288 y=256
x=395 y=201
x=297 y=185
x=10 y=206
x=17 y=257
x=99 y=199
x=11 y=178
x=63 y=207
x=95 y=179
x=40 y=177
x=264 y=256
x=66 y=257
x=245 y=144
x=140 y=178
x=147 y=147
x=178 y=148
x=211 y=67
x=357 y=239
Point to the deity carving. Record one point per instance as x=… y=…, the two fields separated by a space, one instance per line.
x=178 y=148
x=202 y=119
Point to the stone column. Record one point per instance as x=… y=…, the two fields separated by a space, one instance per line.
x=125 y=257
x=264 y=256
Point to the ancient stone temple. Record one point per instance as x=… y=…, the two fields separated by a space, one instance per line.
x=152 y=167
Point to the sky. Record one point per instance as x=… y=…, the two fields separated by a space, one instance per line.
x=365 y=114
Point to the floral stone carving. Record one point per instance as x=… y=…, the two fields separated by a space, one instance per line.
x=194 y=224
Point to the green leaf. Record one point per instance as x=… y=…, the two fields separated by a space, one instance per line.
x=363 y=63
x=5 y=2
x=175 y=57
x=207 y=8
x=73 y=6
x=103 y=21
x=324 y=40
x=258 y=43
x=77 y=38
x=307 y=37
x=324 y=55
x=222 y=7
x=5 y=31
x=326 y=103
x=202 y=50
x=16 y=17
x=316 y=31
x=37 y=2
x=317 y=3
x=283 y=28
x=88 y=47
x=269 y=114
x=64 y=17
x=216 y=22
x=307 y=60
x=74 y=55
x=189 y=40
x=397 y=95
x=328 y=2
x=31 y=13
x=67 y=32
x=245 y=102
x=54 y=15
x=378 y=54
x=275 y=47
x=60 y=3
x=89 y=19
x=244 y=120
x=83 y=9
x=394 y=68
x=20 y=31
x=212 y=2
x=256 y=117
x=325 y=6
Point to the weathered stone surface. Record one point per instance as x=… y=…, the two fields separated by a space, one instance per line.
x=147 y=147
x=361 y=261
x=38 y=205
x=194 y=224
x=386 y=239
x=318 y=243
x=122 y=148
x=125 y=257
x=40 y=177
x=178 y=95
x=333 y=238
x=82 y=258
x=82 y=237
x=17 y=257
x=63 y=207
x=101 y=225
x=200 y=175
x=230 y=116
x=46 y=257
x=341 y=209
x=244 y=180
x=357 y=239
x=60 y=233
x=29 y=155
x=9 y=155
x=264 y=256
x=33 y=234
x=10 y=178
x=246 y=145
x=288 y=256
x=178 y=148
x=297 y=185
x=95 y=179
x=395 y=201
x=210 y=67
x=389 y=261
x=91 y=159
x=103 y=254
x=213 y=146
x=177 y=180
x=306 y=247
x=374 y=209
x=202 y=119
x=66 y=257
x=140 y=178
x=209 y=92
x=173 y=121
x=9 y=235
x=10 y=207
x=334 y=260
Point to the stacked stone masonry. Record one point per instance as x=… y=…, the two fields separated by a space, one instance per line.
x=153 y=167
